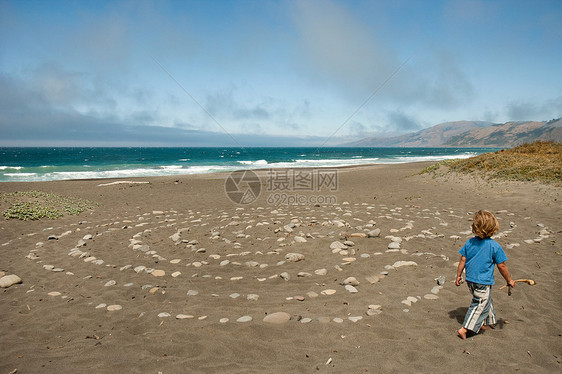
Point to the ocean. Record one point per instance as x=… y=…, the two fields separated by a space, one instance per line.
x=47 y=164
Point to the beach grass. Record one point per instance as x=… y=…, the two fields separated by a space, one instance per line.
x=535 y=162
x=34 y=205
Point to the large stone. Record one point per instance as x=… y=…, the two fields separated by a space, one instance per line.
x=351 y=289
x=351 y=280
x=294 y=257
x=337 y=245
x=9 y=280
x=158 y=273
x=398 y=264
x=394 y=245
x=300 y=239
x=374 y=233
x=277 y=318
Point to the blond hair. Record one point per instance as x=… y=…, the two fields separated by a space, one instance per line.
x=484 y=224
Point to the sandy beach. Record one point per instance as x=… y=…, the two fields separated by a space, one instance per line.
x=172 y=276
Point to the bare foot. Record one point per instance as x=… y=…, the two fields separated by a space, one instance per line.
x=462 y=333
x=486 y=327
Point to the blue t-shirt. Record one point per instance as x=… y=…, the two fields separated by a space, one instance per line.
x=481 y=256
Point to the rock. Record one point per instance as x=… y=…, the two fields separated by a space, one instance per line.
x=300 y=239
x=440 y=280
x=252 y=264
x=101 y=306
x=277 y=318
x=158 y=273
x=54 y=293
x=244 y=319
x=304 y=274
x=351 y=289
x=373 y=312
x=110 y=283
x=234 y=295
x=430 y=296
x=306 y=320
x=87 y=237
x=374 y=233
x=252 y=297
x=164 y=315
x=184 y=316
x=337 y=245
x=312 y=294
x=435 y=290
x=338 y=320
x=294 y=257
x=328 y=292
x=176 y=274
x=192 y=293
x=355 y=319
x=394 y=245
x=358 y=235
x=223 y=320
x=398 y=264
x=285 y=276
x=113 y=308
x=351 y=280
x=140 y=268
x=153 y=290
x=53 y=237
x=321 y=272
x=349 y=243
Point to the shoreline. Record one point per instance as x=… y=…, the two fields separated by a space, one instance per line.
x=234 y=266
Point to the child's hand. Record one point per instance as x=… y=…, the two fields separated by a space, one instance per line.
x=511 y=283
x=458 y=281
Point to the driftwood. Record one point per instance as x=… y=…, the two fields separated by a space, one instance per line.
x=528 y=281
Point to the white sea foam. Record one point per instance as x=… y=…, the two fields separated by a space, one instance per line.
x=256 y=163
x=170 y=167
x=19 y=174
x=203 y=169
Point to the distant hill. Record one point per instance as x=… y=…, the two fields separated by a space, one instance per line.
x=434 y=136
x=508 y=134
x=471 y=134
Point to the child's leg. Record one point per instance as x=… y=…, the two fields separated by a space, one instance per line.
x=491 y=319
x=479 y=309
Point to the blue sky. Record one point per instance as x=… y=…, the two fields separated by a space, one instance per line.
x=270 y=72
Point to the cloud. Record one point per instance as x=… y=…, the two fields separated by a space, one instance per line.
x=338 y=50
x=29 y=118
x=528 y=110
x=402 y=122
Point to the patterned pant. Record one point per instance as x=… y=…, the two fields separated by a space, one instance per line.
x=481 y=308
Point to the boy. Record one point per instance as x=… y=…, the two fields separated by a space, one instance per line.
x=478 y=256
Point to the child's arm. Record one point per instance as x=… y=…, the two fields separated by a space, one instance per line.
x=502 y=267
x=460 y=268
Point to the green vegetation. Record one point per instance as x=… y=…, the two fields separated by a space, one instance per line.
x=34 y=205
x=538 y=161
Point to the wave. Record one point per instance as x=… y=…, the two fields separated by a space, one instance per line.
x=257 y=163
x=171 y=167
x=50 y=172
